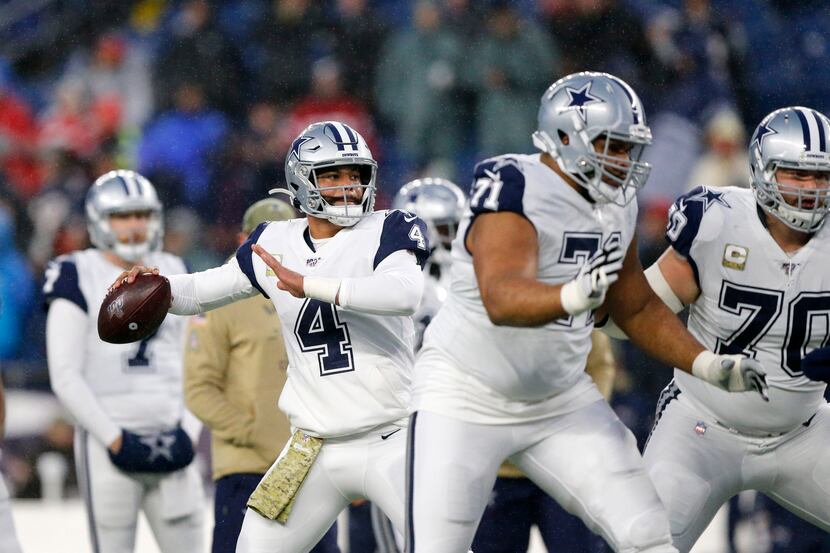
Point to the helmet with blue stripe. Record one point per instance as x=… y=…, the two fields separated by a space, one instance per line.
x=794 y=138
x=579 y=109
x=123 y=192
x=326 y=145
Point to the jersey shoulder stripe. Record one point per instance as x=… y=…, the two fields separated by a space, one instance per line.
x=245 y=256
x=498 y=185
x=60 y=280
x=402 y=231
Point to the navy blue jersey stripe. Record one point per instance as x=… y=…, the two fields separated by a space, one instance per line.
x=245 y=256
x=805 y=130
x=61 y=281
x=820 y=125
x=399 y=233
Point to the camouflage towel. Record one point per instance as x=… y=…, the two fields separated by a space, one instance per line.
x=274 y=496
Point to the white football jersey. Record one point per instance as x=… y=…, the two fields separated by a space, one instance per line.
x=348 y=371
x=755 y=300
x=139 y=385
x=502 y=373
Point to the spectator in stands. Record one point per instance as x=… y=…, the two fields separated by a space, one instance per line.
x=199 y=53
x=183 y=142
x=117 y=73
x=76 y=122
x=17 y=289
x=18 y=141
x=416 y=80
x=359 y=34
x=622 y=50
x=327 y=101
x=510 y=67
x=288 y=35
x=725 y=160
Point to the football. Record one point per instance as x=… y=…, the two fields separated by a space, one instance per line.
x=134 y=311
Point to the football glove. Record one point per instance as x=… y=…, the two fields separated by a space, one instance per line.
x=587 y=290
x=816 y=365
x=733 y=373
x=166 y=451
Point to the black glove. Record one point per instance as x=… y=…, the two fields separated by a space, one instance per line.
x=166 y=451
x=816 y=365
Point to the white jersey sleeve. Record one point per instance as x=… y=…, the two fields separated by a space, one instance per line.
x=66 y=327
x=395 y=288
x=199 y=292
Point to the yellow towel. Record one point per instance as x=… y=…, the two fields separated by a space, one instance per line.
x=275 y=494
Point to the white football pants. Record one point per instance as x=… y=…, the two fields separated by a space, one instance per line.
x=586 y=460
x=8 y=537
x=173 y=503
x=697 y=465
x=362 y=466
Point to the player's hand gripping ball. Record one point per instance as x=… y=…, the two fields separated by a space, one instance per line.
x=132 y=312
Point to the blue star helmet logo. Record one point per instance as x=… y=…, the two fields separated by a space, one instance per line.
x=298 y=143
x=707 y=197
x=761 y=133
x=579 y=98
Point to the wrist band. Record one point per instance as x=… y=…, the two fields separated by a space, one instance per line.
x=321 y=288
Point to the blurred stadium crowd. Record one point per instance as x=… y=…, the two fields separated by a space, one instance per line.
x=203 y=97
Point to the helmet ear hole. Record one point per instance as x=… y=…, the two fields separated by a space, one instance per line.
x=563 y=137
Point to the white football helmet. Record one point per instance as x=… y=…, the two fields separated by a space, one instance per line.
x=440 y=203
x=322 y=146
x=582 y=107
x=123 y=192
x=791 y=138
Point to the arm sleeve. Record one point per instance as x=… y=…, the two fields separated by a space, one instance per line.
x=205 y=369
x=395 y=288
x=66 y=328
x=199 y=292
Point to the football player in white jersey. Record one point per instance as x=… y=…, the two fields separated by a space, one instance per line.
x=347 y=280
x=134 y=437
x=440 y=203
x=754 y=267
x=547 y=239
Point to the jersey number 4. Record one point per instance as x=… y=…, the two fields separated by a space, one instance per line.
x=318 y=329
x=764 y=307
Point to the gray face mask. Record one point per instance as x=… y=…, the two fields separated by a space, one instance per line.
x=581 y=108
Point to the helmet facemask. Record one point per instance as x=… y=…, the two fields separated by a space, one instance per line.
x=806 y=209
